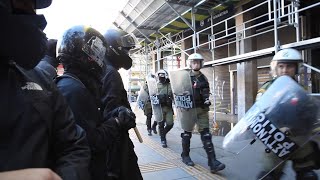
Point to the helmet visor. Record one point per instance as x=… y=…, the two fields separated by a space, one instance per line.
x=161 y=75
x=127 y=41
x=96 y=50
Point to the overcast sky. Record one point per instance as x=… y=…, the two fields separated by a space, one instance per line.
x=63 y=14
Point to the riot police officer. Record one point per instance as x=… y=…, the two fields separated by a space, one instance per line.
x=201 y=93
x=164 y=94
x=82 y=51
x=122 y=160
x=286 y=62
x=37 y=127
x=147 y=110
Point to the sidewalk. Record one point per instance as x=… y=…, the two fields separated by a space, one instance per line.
x=157 y=163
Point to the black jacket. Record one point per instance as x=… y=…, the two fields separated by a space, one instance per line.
x=122 y=160
x=87 y=114
x=37 y=129
x=48 y=65
x=201 y=90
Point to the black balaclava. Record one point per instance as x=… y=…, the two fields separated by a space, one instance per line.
x=162 y=78
x=22 y=38
x=117 y=56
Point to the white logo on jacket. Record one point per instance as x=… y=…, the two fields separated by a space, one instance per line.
x=32 y=86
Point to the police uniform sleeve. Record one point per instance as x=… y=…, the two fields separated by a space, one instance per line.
x=70 y=147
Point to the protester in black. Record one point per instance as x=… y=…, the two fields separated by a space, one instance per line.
x=37 y=129
x=82 y=51
x=122 y=160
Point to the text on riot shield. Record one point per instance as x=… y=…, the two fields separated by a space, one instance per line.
x=272 y=137
x=183 y=101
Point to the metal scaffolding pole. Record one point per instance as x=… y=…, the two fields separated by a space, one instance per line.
x=193 y=19
x=275 y=23
x=296 y=19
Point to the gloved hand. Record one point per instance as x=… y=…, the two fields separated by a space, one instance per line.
x=125 y=118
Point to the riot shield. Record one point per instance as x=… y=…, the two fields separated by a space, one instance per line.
x=143 y=96
x=155 y=103
x=183 y=99
x=276 y=126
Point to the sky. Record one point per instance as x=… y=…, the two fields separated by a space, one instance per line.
x=63 y=14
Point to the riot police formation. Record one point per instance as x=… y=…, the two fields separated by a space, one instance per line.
x=147 y=108
x=50 y=63
x=286 y=63
x=37 y=127
x=122 y=160
x=198 y=104
x=81 y=51
x=164 y=95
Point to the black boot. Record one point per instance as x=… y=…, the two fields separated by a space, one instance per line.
x=148 y=123
x=162 y=134
x=168 y=128
x=186 y=136
x=213 y=163
x=154 y=127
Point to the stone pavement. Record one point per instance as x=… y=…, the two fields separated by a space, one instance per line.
x=157 y=163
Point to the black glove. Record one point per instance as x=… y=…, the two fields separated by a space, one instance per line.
x=125 y=118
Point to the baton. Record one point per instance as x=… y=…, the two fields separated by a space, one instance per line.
x=138 y=134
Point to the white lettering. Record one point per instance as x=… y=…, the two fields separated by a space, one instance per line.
x=279 y=136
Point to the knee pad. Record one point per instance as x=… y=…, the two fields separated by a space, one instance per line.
x=186 y=135
x=206 y=135
x=161 y=124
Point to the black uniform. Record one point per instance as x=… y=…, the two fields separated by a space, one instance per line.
x=86 y=108
x=123 y=161
x=48 y=65
x=37 y=129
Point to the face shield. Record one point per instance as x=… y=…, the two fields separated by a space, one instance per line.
x=127 y=41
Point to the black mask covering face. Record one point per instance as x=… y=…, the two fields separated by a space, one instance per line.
x=162 y=80
x=22 y=39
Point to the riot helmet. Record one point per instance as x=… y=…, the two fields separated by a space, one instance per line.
x=193 y=60
x=287 y=56
x=84 y=48
x=26 y=43
x=162 y=76
x=119 y=45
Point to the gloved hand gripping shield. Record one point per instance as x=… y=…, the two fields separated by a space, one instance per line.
x=281 y=122
x=155 y=102
x=183 y=99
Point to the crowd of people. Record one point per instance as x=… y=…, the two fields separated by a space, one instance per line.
x=75 y=126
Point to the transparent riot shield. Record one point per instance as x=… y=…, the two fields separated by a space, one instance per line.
x=143 y=96
x=183 y=99
x=155 y=103
x=276 y=128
